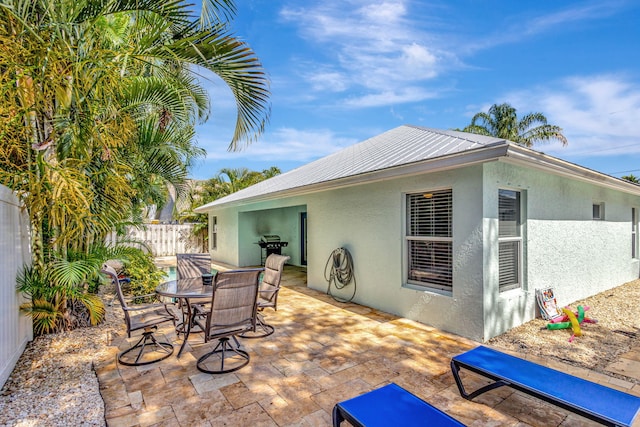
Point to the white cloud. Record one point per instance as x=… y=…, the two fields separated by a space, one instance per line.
x=600 y=115
x=376 y=48
x=390 y=97
x=290 y=144
x=328 y=80
x=527 y=27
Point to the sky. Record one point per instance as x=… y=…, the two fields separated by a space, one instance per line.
x=343 y=71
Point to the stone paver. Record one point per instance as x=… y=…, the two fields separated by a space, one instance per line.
x=322 y=352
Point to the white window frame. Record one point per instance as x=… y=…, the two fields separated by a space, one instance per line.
x=634 y=233
x=432 y=269
x=509 y=239
x=598 y=211
x=213 y=232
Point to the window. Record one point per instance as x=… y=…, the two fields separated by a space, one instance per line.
x=634 y=233
x=509 y=239
x=429 y=239
x=214 y=232
x=598 y=211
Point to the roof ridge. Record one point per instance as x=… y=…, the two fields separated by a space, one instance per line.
x=445 y=132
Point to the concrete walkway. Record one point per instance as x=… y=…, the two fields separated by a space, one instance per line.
x=322 y=352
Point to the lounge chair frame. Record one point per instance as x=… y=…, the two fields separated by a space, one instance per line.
x=574 y=394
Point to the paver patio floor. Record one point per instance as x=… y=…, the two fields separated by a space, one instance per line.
x=322 y=352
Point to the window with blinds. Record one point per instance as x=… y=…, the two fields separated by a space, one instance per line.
x=509 y=239
x=429 y=239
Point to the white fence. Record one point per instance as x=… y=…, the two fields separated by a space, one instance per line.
x=165 y=239
x=15 y=328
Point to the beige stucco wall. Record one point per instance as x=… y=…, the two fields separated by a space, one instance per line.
x=564 y=247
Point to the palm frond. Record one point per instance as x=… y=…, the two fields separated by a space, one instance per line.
x=71 y=274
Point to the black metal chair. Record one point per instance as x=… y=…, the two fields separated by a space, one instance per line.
x=232 y=311
x=147 y=317
x=268 y=294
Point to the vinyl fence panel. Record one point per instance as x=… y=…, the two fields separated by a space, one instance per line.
x=15 y=328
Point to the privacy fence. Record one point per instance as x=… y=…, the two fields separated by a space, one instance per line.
x=15 y=328
x=164 y=239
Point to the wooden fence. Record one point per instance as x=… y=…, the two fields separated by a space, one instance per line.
x=15 y=328
x=165 y=239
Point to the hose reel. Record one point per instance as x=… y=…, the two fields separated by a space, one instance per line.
x=339 y=272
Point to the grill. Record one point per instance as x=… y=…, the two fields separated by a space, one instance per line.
x=271 y=244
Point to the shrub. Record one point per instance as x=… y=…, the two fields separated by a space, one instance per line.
x=142 y=272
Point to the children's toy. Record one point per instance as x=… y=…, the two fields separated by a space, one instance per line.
x=571 y=320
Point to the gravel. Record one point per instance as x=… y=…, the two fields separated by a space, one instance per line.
x=54 y=383
x=616 y=332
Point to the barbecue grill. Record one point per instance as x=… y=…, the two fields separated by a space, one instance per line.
x=271 y=244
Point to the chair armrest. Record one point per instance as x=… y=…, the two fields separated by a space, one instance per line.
x=199 y=309
x=142 y=296
x=144 y=307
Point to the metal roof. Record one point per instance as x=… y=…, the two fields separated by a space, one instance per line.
x=397 y=147
x=408 y=150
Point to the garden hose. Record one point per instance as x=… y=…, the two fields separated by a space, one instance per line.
x=339 y=271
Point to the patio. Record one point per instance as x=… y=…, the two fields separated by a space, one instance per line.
x=322 y=352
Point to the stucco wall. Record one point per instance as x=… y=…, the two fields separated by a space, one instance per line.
x=368 y=220
x=565 y=248
x=284 y=222
x=227 y=248
x=240 y=228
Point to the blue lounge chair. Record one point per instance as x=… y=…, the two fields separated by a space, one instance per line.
x=390 y=405
x=594 y=401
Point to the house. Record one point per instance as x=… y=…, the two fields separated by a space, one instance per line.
x=450 y=229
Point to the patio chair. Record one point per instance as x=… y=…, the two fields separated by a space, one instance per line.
x=187 y=266
x=146 y=317
x=232 y=311
x=268 y=294
x=192 y=265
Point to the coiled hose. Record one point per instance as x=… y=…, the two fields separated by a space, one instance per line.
x=340 y=273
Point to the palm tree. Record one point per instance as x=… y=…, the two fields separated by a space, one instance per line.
x=227 y=181
x=101 y=100
x=631 y=178
x=98 y=104
x=502 y=122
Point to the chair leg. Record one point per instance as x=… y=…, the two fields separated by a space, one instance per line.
x=147 y=340
x=226 y=352
x=262 y=329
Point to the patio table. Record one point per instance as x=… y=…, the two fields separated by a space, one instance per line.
x=185 y=289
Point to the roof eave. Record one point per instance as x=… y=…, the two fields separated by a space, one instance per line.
x=481 y=155
x=523 y=156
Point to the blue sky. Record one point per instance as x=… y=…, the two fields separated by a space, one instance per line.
x=343 y=71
